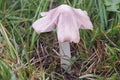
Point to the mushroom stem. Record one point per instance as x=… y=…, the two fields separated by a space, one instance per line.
x=65 y=55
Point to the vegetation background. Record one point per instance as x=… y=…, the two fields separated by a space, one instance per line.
x=25 y=55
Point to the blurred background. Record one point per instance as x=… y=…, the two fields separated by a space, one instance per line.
x=25 y=55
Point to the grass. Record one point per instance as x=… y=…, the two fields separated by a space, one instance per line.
x=25 y=55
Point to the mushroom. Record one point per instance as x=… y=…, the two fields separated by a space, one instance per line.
x=67 y=21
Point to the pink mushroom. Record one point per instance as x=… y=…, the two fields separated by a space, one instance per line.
x=67 y=21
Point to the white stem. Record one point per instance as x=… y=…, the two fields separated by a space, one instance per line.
x=65 y=55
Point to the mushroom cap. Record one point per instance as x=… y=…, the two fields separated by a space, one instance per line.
x=66 y=20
